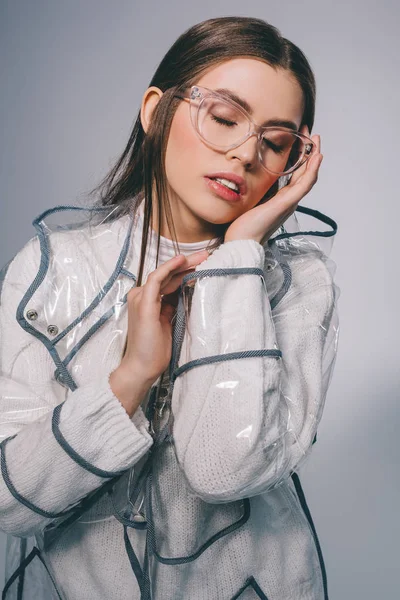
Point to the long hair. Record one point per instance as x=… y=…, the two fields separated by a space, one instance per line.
x=140 y=170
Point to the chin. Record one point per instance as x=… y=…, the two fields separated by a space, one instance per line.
x=218 y=219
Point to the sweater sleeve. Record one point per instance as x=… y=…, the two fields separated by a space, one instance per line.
x=251 y=381
x=57 y=446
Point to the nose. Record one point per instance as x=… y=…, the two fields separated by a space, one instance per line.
x=246 y=152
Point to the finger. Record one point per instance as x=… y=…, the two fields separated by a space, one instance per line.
x=174 y=283
x=161 y=277
x=190 y=262
x=305 y=177
x=287 y=199
x=134 y=294
x=316 y=138
x=151 y=289
x=298 y=173
x=316 y=149
x=196 y=258
x=176 y=264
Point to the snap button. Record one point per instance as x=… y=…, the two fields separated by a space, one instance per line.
x=31 y=314
x=52 y=329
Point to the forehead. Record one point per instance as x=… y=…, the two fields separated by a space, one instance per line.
x=270 y=93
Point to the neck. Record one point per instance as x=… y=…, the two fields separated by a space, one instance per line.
x=189 y=228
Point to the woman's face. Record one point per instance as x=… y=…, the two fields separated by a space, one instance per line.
x=197 y=209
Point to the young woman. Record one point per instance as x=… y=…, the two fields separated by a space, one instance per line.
x=166 y=352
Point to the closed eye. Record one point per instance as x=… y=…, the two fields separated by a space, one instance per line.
x=222 y=121
x=277 y=149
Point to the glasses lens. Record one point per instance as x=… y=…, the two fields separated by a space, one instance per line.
x=281 y=150
x=220 y=123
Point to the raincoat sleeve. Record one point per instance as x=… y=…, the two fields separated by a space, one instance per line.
x=48 y=465
x=254 y=368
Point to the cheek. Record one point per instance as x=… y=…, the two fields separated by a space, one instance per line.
x=186 y=157
x=265 y=183
x=183 y=144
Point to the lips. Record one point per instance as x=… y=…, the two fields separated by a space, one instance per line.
x=231 y=177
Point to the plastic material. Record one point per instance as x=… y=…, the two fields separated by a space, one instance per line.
x=232 y=419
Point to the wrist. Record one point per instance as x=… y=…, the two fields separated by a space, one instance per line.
x=128 y=387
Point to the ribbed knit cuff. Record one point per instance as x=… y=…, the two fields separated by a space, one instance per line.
x=97 y=426
x=235 y=253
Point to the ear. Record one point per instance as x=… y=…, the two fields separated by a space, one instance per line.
x=151 y=98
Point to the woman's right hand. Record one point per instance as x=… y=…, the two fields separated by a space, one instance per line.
x=149 y=339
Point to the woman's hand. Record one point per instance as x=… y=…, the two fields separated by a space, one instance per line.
x=260 y=222
x=149 y=339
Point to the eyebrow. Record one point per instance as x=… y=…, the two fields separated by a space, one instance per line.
x=244 y=104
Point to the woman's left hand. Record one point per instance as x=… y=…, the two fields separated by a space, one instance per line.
x=260 y=222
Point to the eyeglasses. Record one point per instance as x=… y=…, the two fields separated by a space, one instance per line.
x=223 y=124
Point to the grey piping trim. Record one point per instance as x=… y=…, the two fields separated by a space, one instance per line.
x=72 y=453
x=180 y=325
x=128 y=274
x=250 y=582
x=195 y=555
x=179 y=328
x=54 y=531
x=312 y=213
x=94 y=327
x=219 y=272
x=222 y=357
x=19 y=572
x=145 y=479
x=287 y=276
x=107 y=287
x=13 y=491
x=303 y=502
x=103 y=319
x=287 y=273
x=22 y=552
x=43 y=268
x=177 y=337
x=133 y=559
x=49 y=574
x=124 y=519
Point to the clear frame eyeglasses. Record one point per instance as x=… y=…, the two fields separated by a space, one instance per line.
x=223 y=124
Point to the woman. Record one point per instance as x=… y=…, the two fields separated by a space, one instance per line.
x=154 y=416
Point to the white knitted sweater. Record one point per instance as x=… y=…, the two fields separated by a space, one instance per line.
x=226 y=446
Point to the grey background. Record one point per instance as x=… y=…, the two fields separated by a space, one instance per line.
x=72 y=77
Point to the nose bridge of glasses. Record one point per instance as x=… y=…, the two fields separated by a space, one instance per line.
x=254 y=130
x=254 y=150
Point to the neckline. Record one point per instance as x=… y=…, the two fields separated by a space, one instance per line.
x=169 y=244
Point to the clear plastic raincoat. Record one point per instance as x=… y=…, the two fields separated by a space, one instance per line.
x=197 y=496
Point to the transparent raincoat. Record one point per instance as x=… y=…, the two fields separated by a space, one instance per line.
x=210 y=506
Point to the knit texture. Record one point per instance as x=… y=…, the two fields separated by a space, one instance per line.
x=238 y=427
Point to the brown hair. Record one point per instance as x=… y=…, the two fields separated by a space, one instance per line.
x=140 y=170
